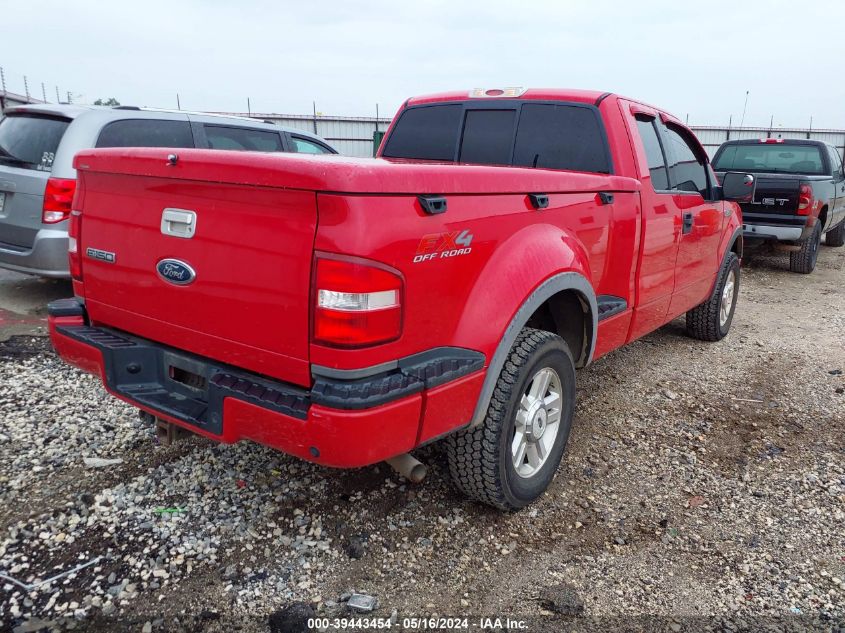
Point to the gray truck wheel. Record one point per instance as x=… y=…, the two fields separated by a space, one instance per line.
x=511 y=457
x=804 y=260
x=712 y=320
x=836 y=237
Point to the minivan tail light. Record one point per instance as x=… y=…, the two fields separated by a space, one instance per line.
x=356 y=304
x=805 y=200
x=58 y=197
x=74 y=234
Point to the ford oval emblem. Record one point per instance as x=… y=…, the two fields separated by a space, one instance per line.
x=175 y=272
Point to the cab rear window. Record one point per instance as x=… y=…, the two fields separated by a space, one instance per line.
x=778 y=158
x=31 y=141
x=542 y=135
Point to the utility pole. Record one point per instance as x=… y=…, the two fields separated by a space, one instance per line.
x=248 y=107
x=810 y=131
x=58 y=98
x=178 y=105
x=376 y=117
x=730 y=120
x=314 y=106
x=26 y=88
x=742 y=121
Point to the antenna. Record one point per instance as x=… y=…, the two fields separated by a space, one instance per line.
x=742 y=121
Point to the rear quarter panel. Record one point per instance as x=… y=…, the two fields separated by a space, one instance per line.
x=467 y=300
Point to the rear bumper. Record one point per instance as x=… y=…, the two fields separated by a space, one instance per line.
x=335 y=423
x=773 y=226
x=47 y=257
x=780 y=233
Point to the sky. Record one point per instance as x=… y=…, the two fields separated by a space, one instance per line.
x=695 y=59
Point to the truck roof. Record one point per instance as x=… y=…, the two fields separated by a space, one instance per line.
x=542 y=94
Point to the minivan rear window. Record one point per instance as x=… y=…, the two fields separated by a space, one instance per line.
x=30 y=141
x=146 y=133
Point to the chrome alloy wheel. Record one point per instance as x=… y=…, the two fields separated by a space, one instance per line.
x=537 y=423
x=727 y=301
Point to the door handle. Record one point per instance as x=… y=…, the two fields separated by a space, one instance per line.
x=687 y=222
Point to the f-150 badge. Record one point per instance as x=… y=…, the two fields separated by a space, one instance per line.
x=442 y=245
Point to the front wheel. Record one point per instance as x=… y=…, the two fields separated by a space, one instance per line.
x=712 y=320
x=804 y=260
x=511 y=457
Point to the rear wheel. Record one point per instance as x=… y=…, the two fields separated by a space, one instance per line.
x=712 y=320
x=836 y=237
x=804 y=260
x=511 y=457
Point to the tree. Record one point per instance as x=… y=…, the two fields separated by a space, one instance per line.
x=111 y=101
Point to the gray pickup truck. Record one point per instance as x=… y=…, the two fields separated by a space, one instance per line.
x=37 y=179
x=799 y=194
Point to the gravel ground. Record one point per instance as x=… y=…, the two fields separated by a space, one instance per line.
x=703 y=486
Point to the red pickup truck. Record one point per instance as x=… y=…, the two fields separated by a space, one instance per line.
x=347 y=311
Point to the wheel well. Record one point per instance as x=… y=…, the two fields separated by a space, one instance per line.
x=738 y=246
x=823 y=216
x=567 y=314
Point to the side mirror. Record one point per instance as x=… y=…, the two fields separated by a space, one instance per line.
x=737 y=186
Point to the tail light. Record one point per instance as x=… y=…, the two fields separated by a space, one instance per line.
x=74 y=233
x=58 y=197
x=357 y=304
x=805 y=200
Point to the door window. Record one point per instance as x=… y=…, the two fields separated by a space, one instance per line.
x=654 y=153
x=687 y=171
x=242 y=139
x=304 y=146
x=146 y=133
x=835 y=161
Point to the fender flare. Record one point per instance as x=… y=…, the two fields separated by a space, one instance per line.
x=552 y=285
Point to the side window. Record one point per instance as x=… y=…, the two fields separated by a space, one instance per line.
x=146 y=133
x=687 y=171
x=560 y=137
x=488 y=137
x=654 y=153
x=835 y=161
x=243 y=139
x=304 y=146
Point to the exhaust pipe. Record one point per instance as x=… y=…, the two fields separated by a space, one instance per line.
x=409 y=467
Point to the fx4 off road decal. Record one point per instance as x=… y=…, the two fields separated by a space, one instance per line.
x=440 y=245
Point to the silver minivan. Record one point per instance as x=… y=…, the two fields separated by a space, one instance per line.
x=37 y=179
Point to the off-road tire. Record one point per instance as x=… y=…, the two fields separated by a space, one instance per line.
x=480 y=459
x=703 y=321
x=836 y=237
x=804 y=260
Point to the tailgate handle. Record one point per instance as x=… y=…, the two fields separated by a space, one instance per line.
x=178 y=223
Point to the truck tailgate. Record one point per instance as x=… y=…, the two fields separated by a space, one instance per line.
x=250 y=252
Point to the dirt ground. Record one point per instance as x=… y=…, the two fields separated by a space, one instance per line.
x=703 y=487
